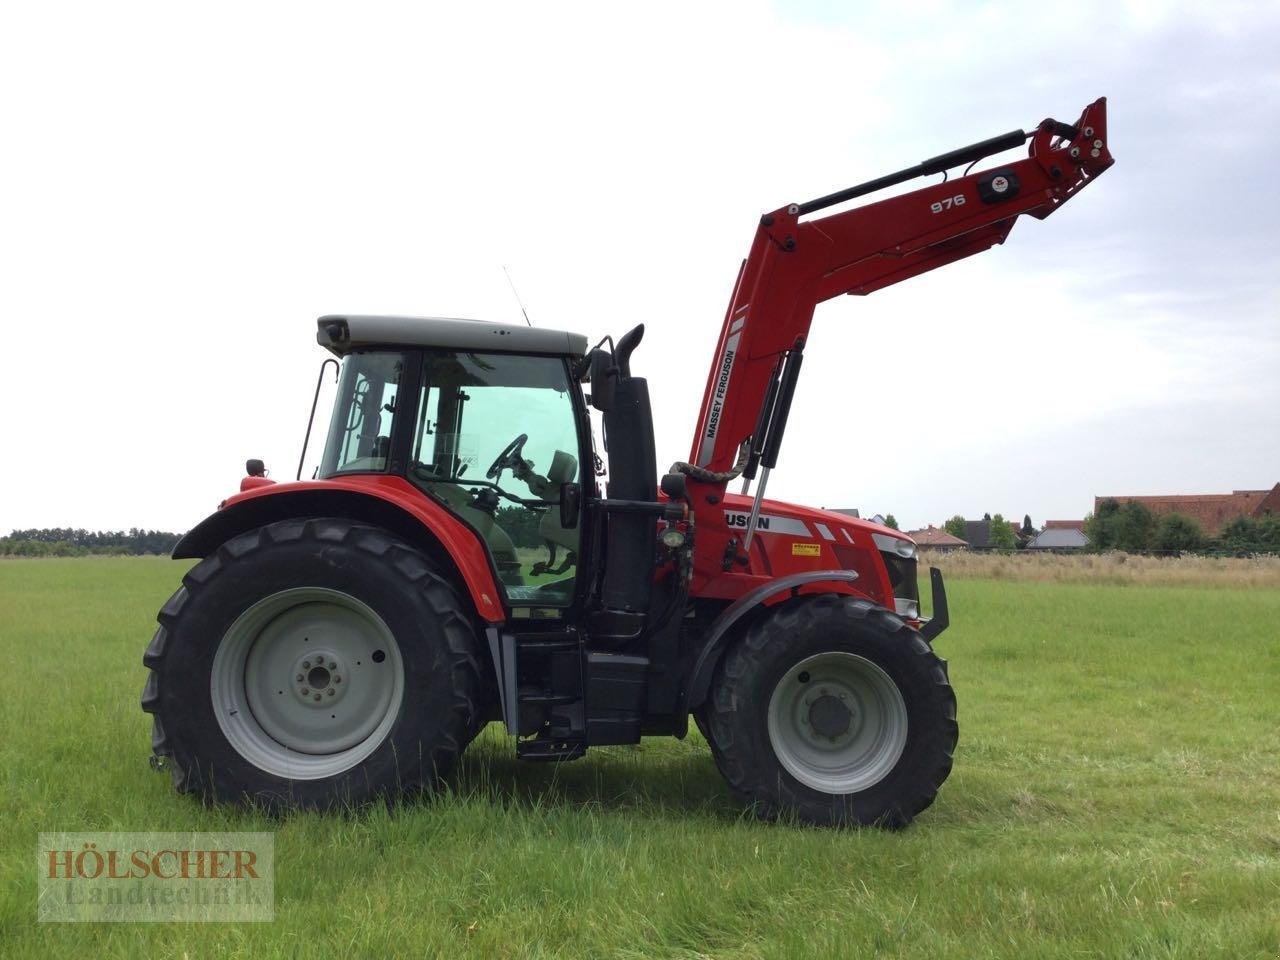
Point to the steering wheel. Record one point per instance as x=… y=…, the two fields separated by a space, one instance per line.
x=509 y=457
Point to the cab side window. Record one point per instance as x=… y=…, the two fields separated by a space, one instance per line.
x=495 y=438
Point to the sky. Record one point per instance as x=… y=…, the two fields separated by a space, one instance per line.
x=186 y=188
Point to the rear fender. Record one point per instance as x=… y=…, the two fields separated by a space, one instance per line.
x=455 y=548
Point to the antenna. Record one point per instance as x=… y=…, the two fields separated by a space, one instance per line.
x=516 y=294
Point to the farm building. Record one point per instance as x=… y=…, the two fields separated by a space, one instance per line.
x=935 y=538
x=977 y=533
x=1060 y=535
x=1212 y=511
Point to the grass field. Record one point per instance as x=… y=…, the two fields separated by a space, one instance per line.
x=1116 y=794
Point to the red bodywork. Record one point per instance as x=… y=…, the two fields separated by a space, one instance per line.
x=790 y=539
x=459 y=540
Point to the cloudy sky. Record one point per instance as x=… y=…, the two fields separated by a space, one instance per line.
x=186 y=188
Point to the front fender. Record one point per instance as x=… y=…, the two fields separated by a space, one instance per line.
x=385 y=501
x=718 y=636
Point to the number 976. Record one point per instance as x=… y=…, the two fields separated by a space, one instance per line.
x=947 y=203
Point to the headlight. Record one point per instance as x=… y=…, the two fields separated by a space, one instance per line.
x=899 y=545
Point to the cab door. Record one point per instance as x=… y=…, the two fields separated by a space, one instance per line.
x=495 y=438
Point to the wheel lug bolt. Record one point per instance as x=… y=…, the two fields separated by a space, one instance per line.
x=306 y=664
x=332 y=691
x=337 y=679
x=317 y=697
x=305 y=691
x=299 y=678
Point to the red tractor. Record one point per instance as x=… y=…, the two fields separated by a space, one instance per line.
x=455 y=561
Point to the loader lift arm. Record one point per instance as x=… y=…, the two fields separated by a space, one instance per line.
x=795 y=265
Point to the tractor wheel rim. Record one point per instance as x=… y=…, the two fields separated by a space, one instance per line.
x=837 y=722
x=307 y=683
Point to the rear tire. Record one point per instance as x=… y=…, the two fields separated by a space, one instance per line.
x=834 y=711
x=312 y=663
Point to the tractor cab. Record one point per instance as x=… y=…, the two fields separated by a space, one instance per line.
x=486 y=420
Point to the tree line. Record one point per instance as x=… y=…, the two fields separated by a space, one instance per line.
x=1132 y=527
x=76 y=542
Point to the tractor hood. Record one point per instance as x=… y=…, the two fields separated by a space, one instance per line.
x=795 y=520
x=791 y=539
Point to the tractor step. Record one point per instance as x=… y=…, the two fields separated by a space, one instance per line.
x=550 y=750
x=549 y=699
x=547 y=646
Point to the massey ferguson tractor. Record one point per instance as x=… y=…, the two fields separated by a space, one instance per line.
x=456 y=561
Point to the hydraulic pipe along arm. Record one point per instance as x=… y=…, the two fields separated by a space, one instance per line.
x=796 y=264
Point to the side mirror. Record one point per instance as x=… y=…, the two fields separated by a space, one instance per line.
x=604 y=379
x=570 y=504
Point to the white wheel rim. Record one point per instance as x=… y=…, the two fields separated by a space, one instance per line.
x=307 y=683
x=837 y=722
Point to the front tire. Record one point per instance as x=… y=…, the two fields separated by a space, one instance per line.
x=312 y=663
x=834 y=711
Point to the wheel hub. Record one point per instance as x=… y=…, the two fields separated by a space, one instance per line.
x=319 y=678
x=829 y=716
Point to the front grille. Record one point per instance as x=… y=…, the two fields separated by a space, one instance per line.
x=902 y=574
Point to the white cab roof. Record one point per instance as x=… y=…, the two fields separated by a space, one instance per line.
x=341 y=334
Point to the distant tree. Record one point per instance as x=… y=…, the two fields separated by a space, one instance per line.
x=1175 y=533
x=1268 y=532
x=1247 y=535
x=1115 y=526
x=1240 y=530
x=1137 y=527
x=1028 y=531
x=890 y=521
x=1099 y=527
x=1000 y=534
x=986 y=517
x=955 y=526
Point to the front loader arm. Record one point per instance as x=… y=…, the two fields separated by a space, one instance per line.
x=795 y=264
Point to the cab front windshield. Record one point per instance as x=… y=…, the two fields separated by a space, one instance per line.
x=493 y=437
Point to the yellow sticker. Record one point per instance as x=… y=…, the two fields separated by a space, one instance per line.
x=806 y=550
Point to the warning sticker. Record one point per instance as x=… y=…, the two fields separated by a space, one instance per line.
x=806 y=550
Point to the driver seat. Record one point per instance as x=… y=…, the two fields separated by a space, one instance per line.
x=563 y=469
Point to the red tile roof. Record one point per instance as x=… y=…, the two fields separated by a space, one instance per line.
x=1064 y=525
x=1212 y=511
x=935 y=537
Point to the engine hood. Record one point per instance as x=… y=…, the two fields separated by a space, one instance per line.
x=778 y=516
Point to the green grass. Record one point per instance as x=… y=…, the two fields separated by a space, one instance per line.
x=1116 y=794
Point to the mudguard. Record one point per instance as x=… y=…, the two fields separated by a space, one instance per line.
x=387 y=501
x=717 y=637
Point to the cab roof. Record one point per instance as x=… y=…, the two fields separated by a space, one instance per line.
x=341 y=334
